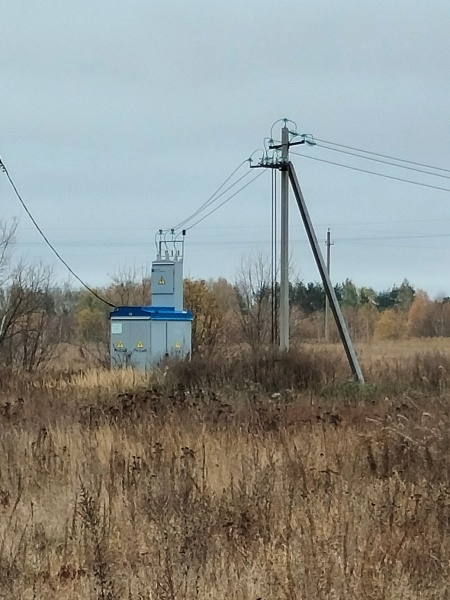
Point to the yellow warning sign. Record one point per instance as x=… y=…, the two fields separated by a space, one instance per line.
x=139 y=345
x=162 y=281
x=177 y=346
x=119 y=345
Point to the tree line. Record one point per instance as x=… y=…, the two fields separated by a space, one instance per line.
x=38 y=316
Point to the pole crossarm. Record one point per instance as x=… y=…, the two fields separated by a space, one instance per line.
x=329 y=290
x=278 y=146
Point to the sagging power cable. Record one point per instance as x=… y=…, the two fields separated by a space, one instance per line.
x=212 y=198
x=384 y=162
x=330 y=162
x=410 y=162
x=224 y=201
x=47 y=241
x=219 y=193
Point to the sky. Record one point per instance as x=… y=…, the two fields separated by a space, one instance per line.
x=121 y=118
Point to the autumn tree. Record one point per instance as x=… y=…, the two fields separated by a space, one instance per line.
x=420 y=317
x=227 y=303
x=207 y=326
x=91 y=318
x=390 y=325
x=368 y=317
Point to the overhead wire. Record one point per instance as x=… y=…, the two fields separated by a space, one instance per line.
x=47 y=241
x=384 y=162
x=234 y=227
x=411 y=162
x=349 y=150
x=225 y=201
x=213 y=197
x=211 y=202
x=264 y=242
x=261 y=240
x=330 y=162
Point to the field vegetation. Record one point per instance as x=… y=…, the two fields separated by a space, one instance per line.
x=243 y=476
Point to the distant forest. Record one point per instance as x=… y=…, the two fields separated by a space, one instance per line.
x=37 y=316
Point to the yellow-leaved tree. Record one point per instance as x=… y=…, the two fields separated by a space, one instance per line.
x=390 y=325
x=420 y=317
x=199 y=297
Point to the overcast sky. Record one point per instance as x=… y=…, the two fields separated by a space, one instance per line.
x=119 y=118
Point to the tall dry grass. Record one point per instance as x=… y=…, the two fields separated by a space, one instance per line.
x=180 y=485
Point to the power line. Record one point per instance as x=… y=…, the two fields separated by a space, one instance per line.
x=47 y=241
x=330 y=162
x=228 y=241
x=244 y=243
x=226 y=200
x=400 y=237
x=256 y=242
x=214 y=196
x=410 y=162
x=384 y=162
x=226 y=227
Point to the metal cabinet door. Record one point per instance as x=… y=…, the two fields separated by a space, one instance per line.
x=120 y=343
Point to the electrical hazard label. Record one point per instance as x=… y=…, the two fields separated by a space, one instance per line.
x=177 y=346
x=162 y=281
x=119 y=345
x=140 y=347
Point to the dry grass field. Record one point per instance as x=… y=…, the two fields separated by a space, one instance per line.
x=256 y=477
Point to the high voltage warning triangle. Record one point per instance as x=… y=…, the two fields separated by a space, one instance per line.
x=119 y=345
x=162 y=281
x=139 y=345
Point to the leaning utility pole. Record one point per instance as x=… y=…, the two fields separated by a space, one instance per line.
x=328 y=244
x=280 y=161
x=284 y=242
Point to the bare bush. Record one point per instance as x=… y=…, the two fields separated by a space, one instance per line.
x=30 y=326
x=254 y=293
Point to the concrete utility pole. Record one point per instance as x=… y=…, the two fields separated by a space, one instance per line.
x=288 y=175
x=284 y=242
x=328 y=244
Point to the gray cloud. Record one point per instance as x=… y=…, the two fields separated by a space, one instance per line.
x=121 y=117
